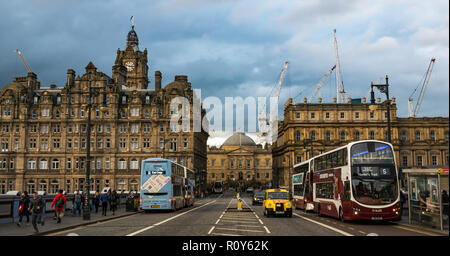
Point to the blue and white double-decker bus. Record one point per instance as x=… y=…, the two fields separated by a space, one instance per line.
x=165 y=185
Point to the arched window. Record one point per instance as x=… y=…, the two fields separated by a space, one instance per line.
x=122 y=164
x=134 y=185
x=30 y=186
x=327 y=136
x=357 y=135
x=134 y=164
x=418 y=135
x=313 y=135
x=42 y=185
x=43 y=164
x=54 y=186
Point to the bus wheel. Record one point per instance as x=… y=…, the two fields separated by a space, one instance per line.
x=341 y=215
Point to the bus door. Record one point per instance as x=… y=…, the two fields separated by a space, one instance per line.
x=346 y=197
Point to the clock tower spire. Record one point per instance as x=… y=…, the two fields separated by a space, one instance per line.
x=134 y=60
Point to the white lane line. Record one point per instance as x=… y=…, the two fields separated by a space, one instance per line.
x=169 y=219
x=243 y=225
x=217 y=221
x=252 y=222
x=211 y=230
x=223 y=234
x=245 y=230
x=232 y=218
x=267 y=230
x=261 y=222
x=324 y=225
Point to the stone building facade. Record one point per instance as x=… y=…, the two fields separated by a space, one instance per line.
x=309 y=129
x=240 y=162
x=43 y=129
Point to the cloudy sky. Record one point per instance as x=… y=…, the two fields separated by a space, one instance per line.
x=237 y=48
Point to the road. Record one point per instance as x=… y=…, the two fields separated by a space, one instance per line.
x=217 y=216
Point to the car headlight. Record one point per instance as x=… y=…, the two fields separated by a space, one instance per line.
x=270 y=205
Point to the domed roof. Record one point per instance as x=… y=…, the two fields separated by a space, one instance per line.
x=132 y=39
x=239 y=139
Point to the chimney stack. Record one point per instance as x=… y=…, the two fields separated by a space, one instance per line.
x=158 y=78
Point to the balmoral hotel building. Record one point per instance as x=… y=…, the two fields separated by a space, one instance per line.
x=315 y=128
x=240 y=162
x=43 y=129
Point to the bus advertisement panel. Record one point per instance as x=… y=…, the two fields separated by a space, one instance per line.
x=163 y=185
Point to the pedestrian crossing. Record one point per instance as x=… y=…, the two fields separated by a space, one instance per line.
x=234 y=222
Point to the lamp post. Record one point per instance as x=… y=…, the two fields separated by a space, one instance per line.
x=86 y=206
x=384 y=88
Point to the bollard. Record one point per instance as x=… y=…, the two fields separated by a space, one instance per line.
x=239 y=205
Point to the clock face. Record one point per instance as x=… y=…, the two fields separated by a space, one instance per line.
x=129 y=65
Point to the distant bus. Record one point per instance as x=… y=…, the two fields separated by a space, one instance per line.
x=301 y=187
x=358 y=181
x=165 y=185
x=218 y=187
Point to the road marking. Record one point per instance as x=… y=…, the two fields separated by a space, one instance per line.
x=362 y=232
x=253 y=222
x=217 y=221
x=223 y=234
x=267 y=230
x=351 y=228
x=231 y=218
x=245 y=230
x=64 y=231
x=417 y=231
x=169 y=219
x=211 y=230
x=252 y=226
x=260 y=221
x=324 y=225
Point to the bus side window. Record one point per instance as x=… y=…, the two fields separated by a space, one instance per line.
x=347 y=190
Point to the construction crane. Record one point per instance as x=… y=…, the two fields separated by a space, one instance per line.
x=23 y=60
x=340 y=92
x=262 y=116
x=414 y=110
x=320 y=83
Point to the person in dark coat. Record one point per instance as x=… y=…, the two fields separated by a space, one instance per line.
x=37 y=205
x=96 y=201
x=113 y=201
x=24 y=204
x=104 y=198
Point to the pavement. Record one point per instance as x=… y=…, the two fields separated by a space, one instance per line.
x=69 y=221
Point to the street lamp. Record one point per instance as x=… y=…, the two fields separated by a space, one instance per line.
x=86 y=206
x=384 y=88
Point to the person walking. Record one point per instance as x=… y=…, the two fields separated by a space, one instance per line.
x=59 y=202
x=36 y=207
x=104 y=198
x=24 y=204
x=96 y=201
x=113 y=201
x=77 y=204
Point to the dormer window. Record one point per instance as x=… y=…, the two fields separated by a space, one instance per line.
x=58 y=100
x=35 y=100
x=147 y=99
x=124 y=99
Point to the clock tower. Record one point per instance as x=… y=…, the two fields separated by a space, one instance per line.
x=135 y=62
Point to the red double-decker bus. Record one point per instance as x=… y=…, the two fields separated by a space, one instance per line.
x=358 y=181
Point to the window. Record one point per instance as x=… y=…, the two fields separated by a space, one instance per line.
x=135 y=112
x=404 y=161
x=342 y=115
x=134 y=128
x=122 y=164
x=298 y=159
x=147 y=99
x=56 y=128
x=231 y=163
x=16 y=143
x=357 y=135
x=122 y=143
x=371 y=115
x=267 y=162
x=44 y=143
x=124 y=99
x=385 y=115
x=417 y=135
x=2 y=163
x=297 y=115
x=32 y=143
x=99 y=143
x=161 y=127
x=69 y=163
x=432 y=136
x=45 y=112
x=248 y=163
x=419 y=160
x=327 y=115
x=43 y=164
x=123 y=128
x=17 y=128
x=342 y=136
x=33 y=115
x=313 y=135
x=134 y=143
x=108 y=143
x=173 y=144
x=100 y=128
x=146 y=143
x=327 y=136
x=55 y=164
x=82 y=113
x=446 y=135
x=44 y=128
x=357 y=115
x=185 y=142
x=213 y=162
x=372 y=135
x=31 y=164
x=434 y=160
x=325 y=190
x=33 y=128
x=146 y=127
x=161 y=143
x=5 y=144
x=56 y=143
x=134 y=164
x=297 y=135
x=403 y=136
x=69 y=143
x=69 y=128
x=147 y=114
x=313 y=115
x=107 y=163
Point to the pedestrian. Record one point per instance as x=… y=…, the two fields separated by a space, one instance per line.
x=37 y=205
x=96 y=201
x=113 y=200
x=24 y=204
x=444 y=201
x=402 y=201
x=77 y=204
x=104 y=198
x=59 y=202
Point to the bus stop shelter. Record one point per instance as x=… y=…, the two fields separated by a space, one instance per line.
x=428 y=197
